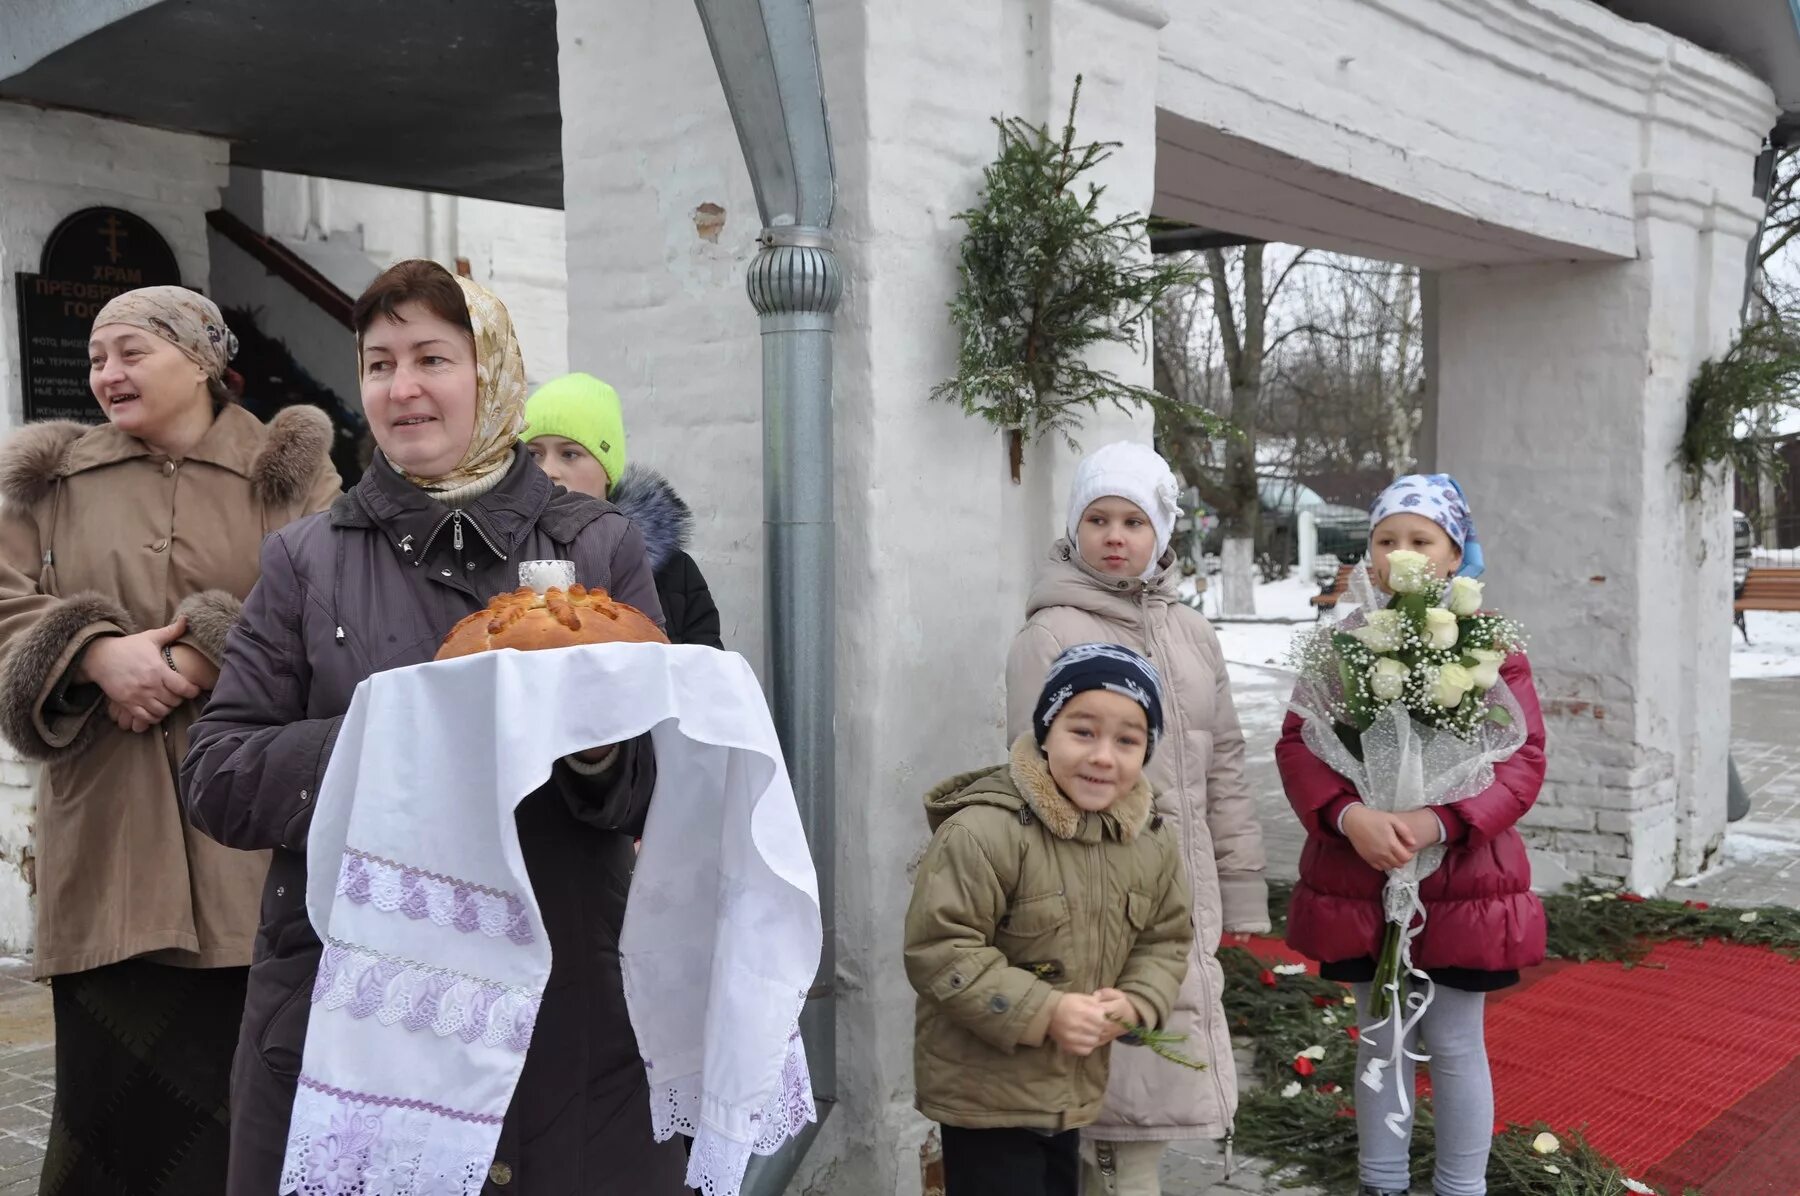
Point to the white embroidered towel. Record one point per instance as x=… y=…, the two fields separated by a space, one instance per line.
x=435 y=959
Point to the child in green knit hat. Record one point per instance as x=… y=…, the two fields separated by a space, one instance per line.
x=575 y=431
x=575 y=427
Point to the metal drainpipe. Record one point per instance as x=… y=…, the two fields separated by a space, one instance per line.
x=768 y=63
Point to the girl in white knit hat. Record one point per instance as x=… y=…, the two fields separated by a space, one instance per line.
x=1112 y=580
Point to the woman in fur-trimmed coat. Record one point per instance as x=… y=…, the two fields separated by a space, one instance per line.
x=124 y=552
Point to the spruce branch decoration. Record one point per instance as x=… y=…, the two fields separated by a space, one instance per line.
x=1045 y=278
x=1759 y=373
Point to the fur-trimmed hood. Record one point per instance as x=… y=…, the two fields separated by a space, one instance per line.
x=1025 y=783
x=661 y=516
x=280 y=460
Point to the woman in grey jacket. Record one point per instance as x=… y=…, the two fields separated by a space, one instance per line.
x=436 y=527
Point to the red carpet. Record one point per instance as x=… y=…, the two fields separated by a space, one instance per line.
x=1682 y=1070
x=1685 y=1069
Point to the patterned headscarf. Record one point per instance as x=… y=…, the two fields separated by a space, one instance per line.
x=1439 y=498
x=186 y=319
x=499 y=393
x=1112 y=667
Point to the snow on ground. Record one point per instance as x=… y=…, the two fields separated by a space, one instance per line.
x=1774 y=647
x=1260 y=681
x=1749 y=842
x=1277 y=600
x=1773 y=650
x=1256 y=654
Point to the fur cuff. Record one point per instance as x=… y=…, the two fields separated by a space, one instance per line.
x=34 y=666
x=210 y=615
x=298 y=444
x=32 y=459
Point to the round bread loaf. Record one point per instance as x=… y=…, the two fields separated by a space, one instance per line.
x=528 y=621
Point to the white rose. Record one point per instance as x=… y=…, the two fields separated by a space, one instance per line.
x=1292 y=1090
x=1441 y=630
x=1382 y=632
x=1465 y=596
x=1408 y=571
x=1487 y=668
x=1546 y=1143
x=1387 y=680
x=1453 y=681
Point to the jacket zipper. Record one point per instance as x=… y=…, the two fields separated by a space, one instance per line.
x=1097 y=871
x=455 y=519
x=1172 y=722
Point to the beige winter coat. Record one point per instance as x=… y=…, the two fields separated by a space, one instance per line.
x=99 y=536
x=1198 y=777
x=1022 y=897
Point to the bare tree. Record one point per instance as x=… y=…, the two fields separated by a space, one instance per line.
x=1775 y=295
x=1242 y=295
x=1348 y=391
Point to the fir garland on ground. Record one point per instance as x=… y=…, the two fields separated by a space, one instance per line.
x=1299 y=1115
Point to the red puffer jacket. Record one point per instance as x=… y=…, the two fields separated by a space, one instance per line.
x=1480 y=910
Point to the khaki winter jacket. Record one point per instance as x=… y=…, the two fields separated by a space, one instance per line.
x=99 y=536
x=1197 y=775
x=1021 y=897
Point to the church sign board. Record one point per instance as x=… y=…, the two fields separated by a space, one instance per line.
x=93 y=255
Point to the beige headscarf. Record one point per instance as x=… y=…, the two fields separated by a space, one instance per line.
x=186 y=319
x=499 y=393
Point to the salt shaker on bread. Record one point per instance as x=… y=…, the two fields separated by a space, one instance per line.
x=542 y=576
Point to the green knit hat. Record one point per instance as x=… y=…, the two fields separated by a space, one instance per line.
x=581 y=408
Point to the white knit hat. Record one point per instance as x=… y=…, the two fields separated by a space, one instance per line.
x=1133 y=472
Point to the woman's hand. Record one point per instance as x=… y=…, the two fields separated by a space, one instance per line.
x=1383 y=840
x=126 y=720
x=131 y=671
x=192 y=664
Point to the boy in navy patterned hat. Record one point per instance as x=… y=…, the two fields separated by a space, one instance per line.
x=1049 y=918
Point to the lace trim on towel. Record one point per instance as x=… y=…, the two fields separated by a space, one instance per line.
x=343 y=1143
x=417 y=996
x=717 y=1165
x=394 y=887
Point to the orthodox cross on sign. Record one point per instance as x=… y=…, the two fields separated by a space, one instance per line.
x=113 y=232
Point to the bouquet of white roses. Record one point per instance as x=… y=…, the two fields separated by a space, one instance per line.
x=1404 y=698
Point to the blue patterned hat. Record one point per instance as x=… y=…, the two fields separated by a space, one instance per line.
x=1112 y=667
x=1439 y=498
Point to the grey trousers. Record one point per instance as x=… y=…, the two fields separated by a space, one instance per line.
x=1453 y=1033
